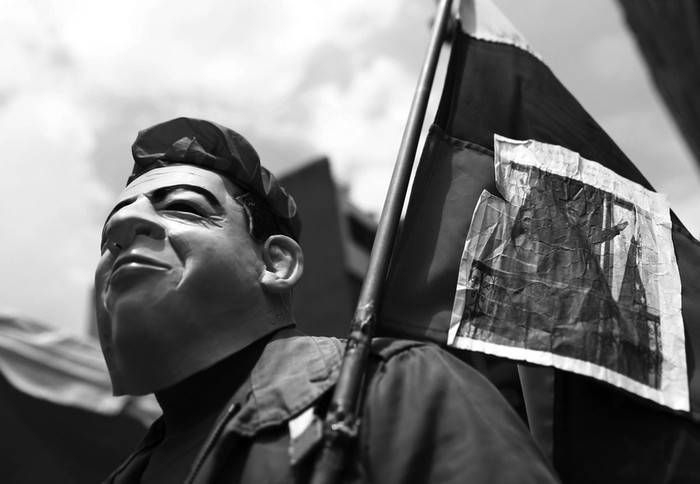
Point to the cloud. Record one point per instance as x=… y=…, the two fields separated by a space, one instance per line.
x=611 y=58
x=48 y=208
x=218 y=49
x=86 y=75
x=360 y=127
x=661 y=155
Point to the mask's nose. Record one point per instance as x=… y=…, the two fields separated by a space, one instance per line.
x=130 y=221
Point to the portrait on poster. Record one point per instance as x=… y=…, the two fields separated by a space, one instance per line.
x=573 y=268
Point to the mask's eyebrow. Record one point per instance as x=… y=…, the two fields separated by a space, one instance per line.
x=159 y=194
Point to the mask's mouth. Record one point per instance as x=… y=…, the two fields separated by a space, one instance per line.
x=133 y=263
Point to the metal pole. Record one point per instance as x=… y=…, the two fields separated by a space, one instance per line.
x=341 y=425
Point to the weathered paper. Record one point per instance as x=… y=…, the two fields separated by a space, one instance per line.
x=574 y=269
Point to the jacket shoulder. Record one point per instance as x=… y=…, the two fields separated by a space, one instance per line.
x=397 y=353
x=386 y=348
x=429 y=417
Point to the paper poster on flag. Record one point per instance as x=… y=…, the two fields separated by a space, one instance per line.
x=574 y=268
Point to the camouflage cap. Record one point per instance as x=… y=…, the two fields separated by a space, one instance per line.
x=214 y=147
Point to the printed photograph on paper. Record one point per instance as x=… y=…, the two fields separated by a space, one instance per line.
x=573 y=268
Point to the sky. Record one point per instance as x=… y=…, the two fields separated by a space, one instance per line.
x=298 y=79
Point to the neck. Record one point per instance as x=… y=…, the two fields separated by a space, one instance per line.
x=206 y=392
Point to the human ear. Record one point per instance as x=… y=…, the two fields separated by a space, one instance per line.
x=284 y=264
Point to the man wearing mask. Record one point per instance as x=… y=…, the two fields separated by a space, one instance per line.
x=193 y=299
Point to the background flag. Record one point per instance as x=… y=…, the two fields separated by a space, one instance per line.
x=60 y=422
x=495 y=84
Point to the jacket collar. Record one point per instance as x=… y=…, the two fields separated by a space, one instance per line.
x=293 y=371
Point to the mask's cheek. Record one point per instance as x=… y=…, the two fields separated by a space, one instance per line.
x=185 y=250
x=103 y=318
x=102 y=273
x=104 y=327
x=184 y=243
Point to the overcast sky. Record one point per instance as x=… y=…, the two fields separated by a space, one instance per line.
x=298 y=79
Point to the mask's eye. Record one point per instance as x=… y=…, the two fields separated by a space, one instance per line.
x=180 y=206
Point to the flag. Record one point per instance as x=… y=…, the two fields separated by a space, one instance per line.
x=496 y=85
x=60 y=421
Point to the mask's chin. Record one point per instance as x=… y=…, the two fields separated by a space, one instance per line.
x=174 y=345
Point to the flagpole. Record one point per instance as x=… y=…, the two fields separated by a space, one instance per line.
x=341 y=424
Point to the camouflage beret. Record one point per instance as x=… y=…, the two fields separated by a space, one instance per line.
x=214 y=147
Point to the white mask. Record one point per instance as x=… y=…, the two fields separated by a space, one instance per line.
x=181 y=283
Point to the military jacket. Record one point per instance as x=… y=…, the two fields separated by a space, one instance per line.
x=427 y=418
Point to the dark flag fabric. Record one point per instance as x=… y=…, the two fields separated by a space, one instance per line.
x=60 y=422
x=592 y=430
